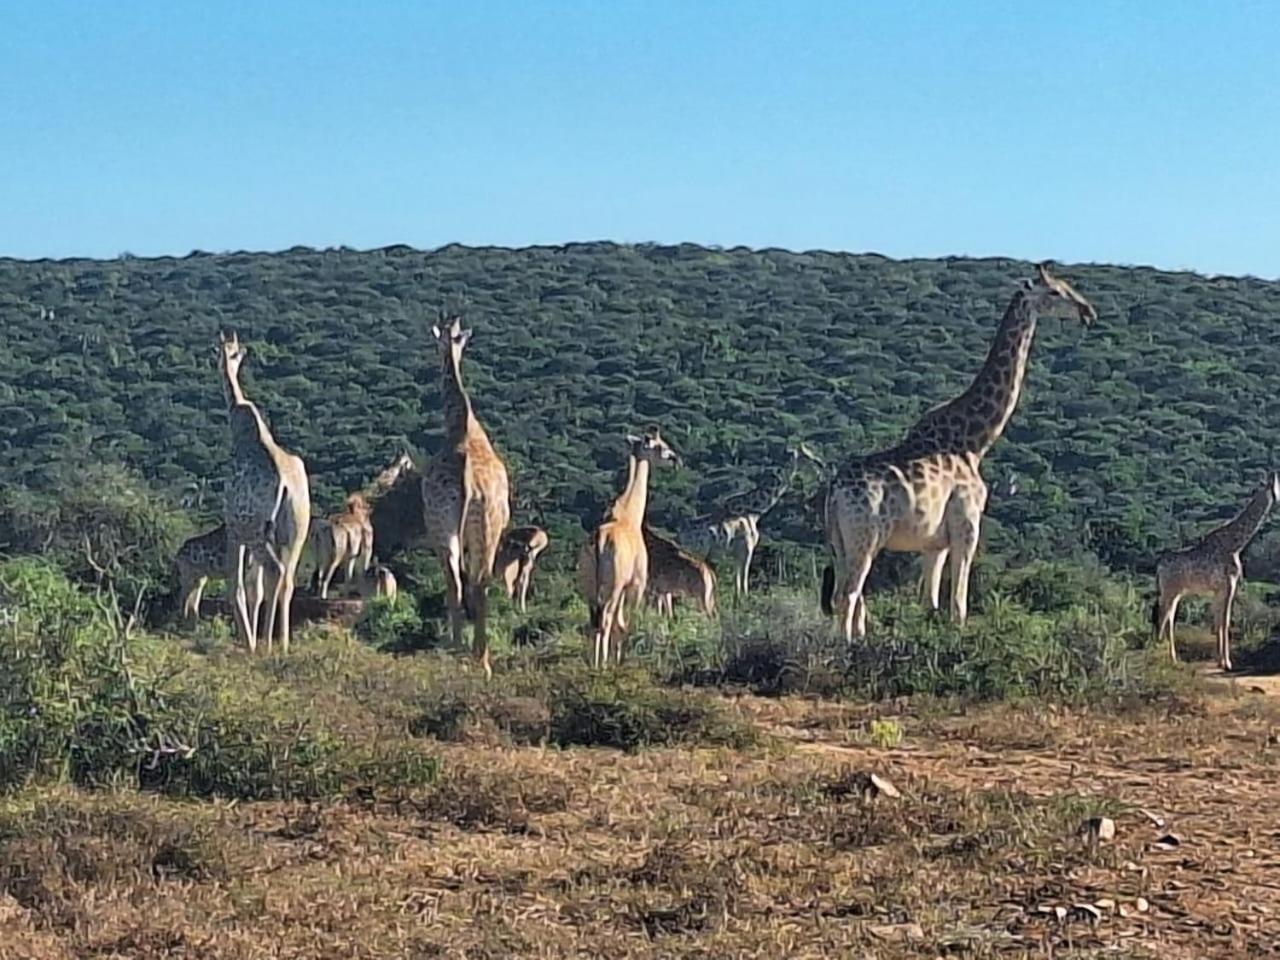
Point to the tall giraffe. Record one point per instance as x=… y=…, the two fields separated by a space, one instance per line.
x=613 y=564
x=465 y=497
x=267 y=512
x=926 y=495
x=1211 y=568
x=734 y=524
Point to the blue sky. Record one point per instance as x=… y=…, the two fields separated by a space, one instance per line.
x=1127 y=132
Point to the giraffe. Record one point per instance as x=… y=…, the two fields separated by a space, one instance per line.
x=516 y=558
x=198 y=559
x=734 y=525
x=675 y=572
x=465 y=497
x=267 y=512
x=342 y=538
x=1211 y=568
x=926 y=495
x=613 y=564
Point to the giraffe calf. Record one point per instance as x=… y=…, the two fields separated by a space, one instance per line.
x=342 y=538
x=674 y=572
x=516 y=558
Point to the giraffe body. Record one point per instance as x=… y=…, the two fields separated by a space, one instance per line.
x=1211 y=568
x=516 y=559
x=613 y=564
x=675 y=572
x=465 y=499
x=926 y=495
x=267 y=513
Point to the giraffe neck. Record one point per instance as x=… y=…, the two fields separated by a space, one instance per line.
x=248 y=429
x=630 y=506
x=974 y=421
x=458 y=418
x=1234 y=535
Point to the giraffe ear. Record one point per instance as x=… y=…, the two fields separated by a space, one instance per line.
x=464 y=338
x=435 y=331
x=632 y=439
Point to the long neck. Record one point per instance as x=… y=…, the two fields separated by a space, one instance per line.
x=231 y=387
x=457 y=405
x=974 y=421
x=631 y=503
x=990 y=400
x=1235 y=534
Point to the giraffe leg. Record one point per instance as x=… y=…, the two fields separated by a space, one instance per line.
x=275 y=582
x=964 y=524
x=1224 y=630
x=607 y=622
x=1169 y=613
x=330 y=568
x=479 y=632
x=526 y=572
x=286 y=600
x=852 y=592
x=451 y=562
x=632 y=597
x=932 y=565
x=239 y=600
x=750 y=540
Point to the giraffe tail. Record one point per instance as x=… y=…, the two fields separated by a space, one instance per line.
x=828 y=589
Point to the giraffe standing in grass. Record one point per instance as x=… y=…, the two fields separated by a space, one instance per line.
x=613 y=564
x=465 y=498
x=734 y=525
x=675 y=572
x=516 y=559
x=926 y=495
x=198 y=559
x=1211 y=568
x=267 y=512
x=340 y=539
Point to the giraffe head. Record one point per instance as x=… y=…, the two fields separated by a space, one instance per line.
x=231 y=354
x=1048 y=294
x=357 y=505
x=653 y=448
x=451 y=337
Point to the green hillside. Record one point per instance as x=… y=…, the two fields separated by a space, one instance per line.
x=1129 y=435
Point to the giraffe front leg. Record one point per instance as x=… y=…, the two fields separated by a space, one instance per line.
x=1168 y=614
x=451 y=561
x=853 y=597
x=236 y=574
x=479 y=631
x=931 y=567
x=750 y=540
x=1224 y=635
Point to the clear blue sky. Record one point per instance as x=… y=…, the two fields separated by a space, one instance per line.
x=1130 y=132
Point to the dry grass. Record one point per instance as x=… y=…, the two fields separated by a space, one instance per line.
x=768 y=851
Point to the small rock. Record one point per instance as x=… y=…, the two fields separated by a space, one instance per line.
x=1106 y=903
x=1168 y=842
x=1099 y=828
x=880 y=785
x=1141 y=905
x=1155 y=818
x=897 y=931
x=1087 y=911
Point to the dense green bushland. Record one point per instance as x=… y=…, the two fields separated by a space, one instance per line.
x=1130 y=436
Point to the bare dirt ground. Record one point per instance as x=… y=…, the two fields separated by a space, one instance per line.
x=784 y=850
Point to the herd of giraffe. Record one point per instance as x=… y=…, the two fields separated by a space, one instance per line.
x=924 y=495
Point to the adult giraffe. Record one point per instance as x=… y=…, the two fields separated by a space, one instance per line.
x=926 y=495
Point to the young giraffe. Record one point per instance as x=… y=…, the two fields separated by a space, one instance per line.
x=926 y=495
x=267 y=512
x=516 y=558
x=674 y=572
x=465 y=497
x=1211 y=568
x=197 y=560
x=735 y=523
x=613 y=564
x=342 y=538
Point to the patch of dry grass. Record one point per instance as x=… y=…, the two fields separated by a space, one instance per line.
x=769 y=851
